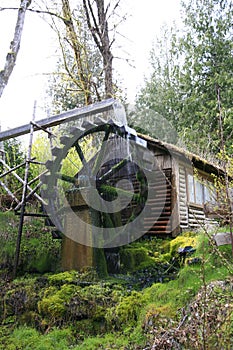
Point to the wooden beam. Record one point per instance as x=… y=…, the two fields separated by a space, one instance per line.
x=9 y=192
x=23 y=182
x=13 y=169
x=73 y=114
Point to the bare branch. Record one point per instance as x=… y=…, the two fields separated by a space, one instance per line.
x=88 y=10
x=47 y=12
x=98 y=26
x=113 y=10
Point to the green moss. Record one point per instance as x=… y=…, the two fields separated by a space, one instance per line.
x=152 y=315
x=18 y=298
x=126 y=313
x=64 y=277
x=91 y=307
x=164 y=257
x=109 y=341
x=87 y=275
x=24 y=338
x=135 y=258
x=100 y=262
x=53 y=305
x=38 y=253
x=182 y=241
x=30 y=318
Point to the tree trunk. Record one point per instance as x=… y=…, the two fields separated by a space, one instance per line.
x=14 y=47
x=98 y=26
x=77 y=47
x=107 y=60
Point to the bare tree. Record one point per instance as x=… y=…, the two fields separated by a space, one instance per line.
x=97 y=20
x=86 y=71
x=14 y=46
x=79 y=50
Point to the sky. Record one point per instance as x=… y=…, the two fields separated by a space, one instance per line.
x=38 y=55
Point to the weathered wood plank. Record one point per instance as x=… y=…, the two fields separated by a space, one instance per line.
x=183 y=209
x=73 y=114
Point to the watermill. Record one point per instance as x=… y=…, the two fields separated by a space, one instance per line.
x=101 y=202
x=104 y=197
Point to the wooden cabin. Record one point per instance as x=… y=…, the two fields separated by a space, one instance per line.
x=190 y=189
x=182 y=184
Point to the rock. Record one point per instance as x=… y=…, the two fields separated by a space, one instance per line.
x=222 y=238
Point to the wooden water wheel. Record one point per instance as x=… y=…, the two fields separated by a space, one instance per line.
x=114 y=160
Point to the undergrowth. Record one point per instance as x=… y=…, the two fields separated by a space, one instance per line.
x=39 y=253
x=137 y=309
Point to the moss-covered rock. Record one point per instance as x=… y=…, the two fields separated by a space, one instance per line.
x=135 y=258
x=182 y=241
x=19 y=297
x=53 y=304
x=126 y=313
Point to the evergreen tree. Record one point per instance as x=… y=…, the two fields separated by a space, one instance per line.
x=161 y=91
x=192 y=76
x=208 y=70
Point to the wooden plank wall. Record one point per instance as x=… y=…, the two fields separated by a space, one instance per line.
x=196 y=217
x=157 y=222
x=162 y=225
x=183 y=208
x=191 y=216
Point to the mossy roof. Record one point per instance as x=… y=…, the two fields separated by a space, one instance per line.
x=178 y=152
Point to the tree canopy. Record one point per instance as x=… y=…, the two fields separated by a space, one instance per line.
x=86 y=33
x=192 y=75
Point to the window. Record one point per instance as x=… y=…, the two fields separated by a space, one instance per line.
x=199 y=192
x=209 y=193
x=191 y=189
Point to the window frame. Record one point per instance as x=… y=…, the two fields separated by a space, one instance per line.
x=201 y=182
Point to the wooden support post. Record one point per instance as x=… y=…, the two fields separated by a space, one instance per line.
x=24 y=196
x=2 y=152
x=39 y=127
x=37 y=177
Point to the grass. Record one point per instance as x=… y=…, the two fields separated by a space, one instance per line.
x=25 y=338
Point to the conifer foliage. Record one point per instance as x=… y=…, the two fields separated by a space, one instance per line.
x=192 y=73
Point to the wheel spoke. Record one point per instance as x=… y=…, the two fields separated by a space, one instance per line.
x=80 y=153
x=67 y=178
x=114 y=169
x=102 y=151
